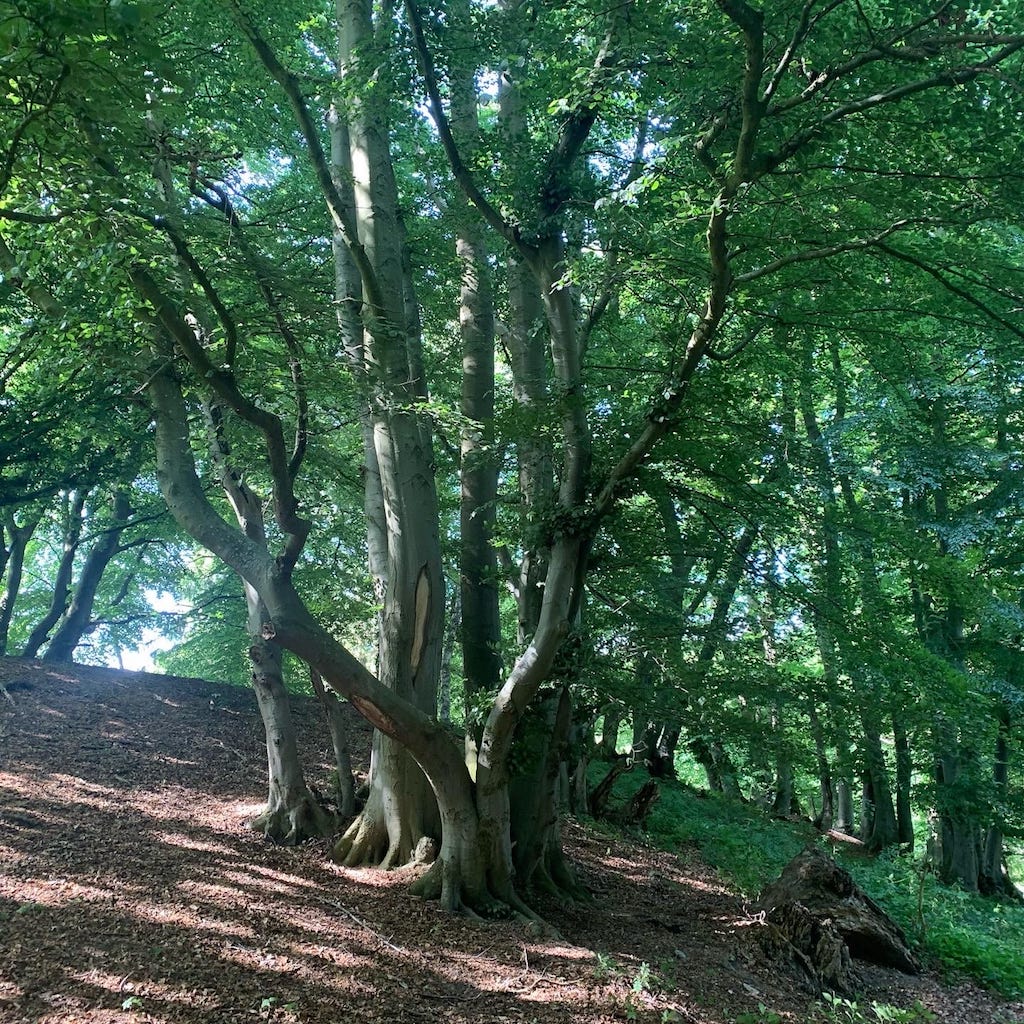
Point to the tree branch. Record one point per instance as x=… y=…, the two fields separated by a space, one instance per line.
x=813 y=255
x=460 y=171
x=950 y=287
x=341 y=214
x=295 y=528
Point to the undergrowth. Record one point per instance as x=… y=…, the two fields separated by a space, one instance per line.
x=959 y=934
x=962 y=933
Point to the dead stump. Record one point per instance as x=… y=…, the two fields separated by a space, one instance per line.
x=817 y=916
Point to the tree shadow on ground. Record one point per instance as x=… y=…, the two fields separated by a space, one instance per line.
x=132 y=890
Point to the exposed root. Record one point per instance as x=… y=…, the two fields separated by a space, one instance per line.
x=292 y=826
x=458 y=899
x=364 y=843
x=428 y=886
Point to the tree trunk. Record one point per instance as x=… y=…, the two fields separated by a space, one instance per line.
x=880 y=829
x=845 y=818
x=825 y=816
x=543 y=734
x=73 y=523
x=481 y=624
x=904 y=776
x=385 y=349
x=610 y=722
x=453 y=630
x=959 y=832
x=331 y=703
x=995 y=875
x=78 y=618
x=14 y=570
x=292 y=814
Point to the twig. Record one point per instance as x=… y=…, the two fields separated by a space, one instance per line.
x=362 y=924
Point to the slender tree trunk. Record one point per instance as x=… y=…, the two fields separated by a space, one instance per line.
x=481 y=625
x=73 y=523
x=845 y=817
x=959 y=831
x=78 y=618
x=14 y=570
x=610 y=722
x=995 y=877
x=403 y=517
x=826 y=813
x=331 y=703
x=292 y=815
x=904 y=778
x=880 y=828
x=452 y=631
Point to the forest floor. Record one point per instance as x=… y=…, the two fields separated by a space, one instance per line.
x=132 y=891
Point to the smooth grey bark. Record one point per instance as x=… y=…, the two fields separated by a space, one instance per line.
x=610 y=722
x=292 y=814
x=825 y=814
x=72 y=525
x=845 y=817
x=384 y=346
x=995 y=877
x=78 y=617
x=879 y=828
x=14 y=569
x=460 y=876
x=478 y=561
x=453 y=630
x=331 y=703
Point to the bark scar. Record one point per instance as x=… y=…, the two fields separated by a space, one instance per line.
x=420 y=625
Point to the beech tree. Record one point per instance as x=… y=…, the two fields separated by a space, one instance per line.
x=664 y=177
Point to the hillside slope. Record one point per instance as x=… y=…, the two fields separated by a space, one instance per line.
x=132 y=890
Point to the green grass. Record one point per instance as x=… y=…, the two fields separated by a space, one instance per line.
x=746 y=846
x=962 y=934
x=959 y=934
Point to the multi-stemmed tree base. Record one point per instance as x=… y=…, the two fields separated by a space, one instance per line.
x=296 y=822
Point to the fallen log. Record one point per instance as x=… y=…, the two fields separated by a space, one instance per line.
x=817 y=915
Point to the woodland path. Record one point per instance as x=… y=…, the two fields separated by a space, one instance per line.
x=132 y=891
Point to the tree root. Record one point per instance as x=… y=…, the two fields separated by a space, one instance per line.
x=292 y=826
x=364 y=843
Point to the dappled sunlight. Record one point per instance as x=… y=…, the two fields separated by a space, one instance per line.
x=288 y=877
x=259 y=958
x=368 y=878
x=270 y=881
x=133 y=891
x=118 y=732
x=56 y=892
x=187 y=842
x=336 y=956
x=178 y=761
x=247 y=809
